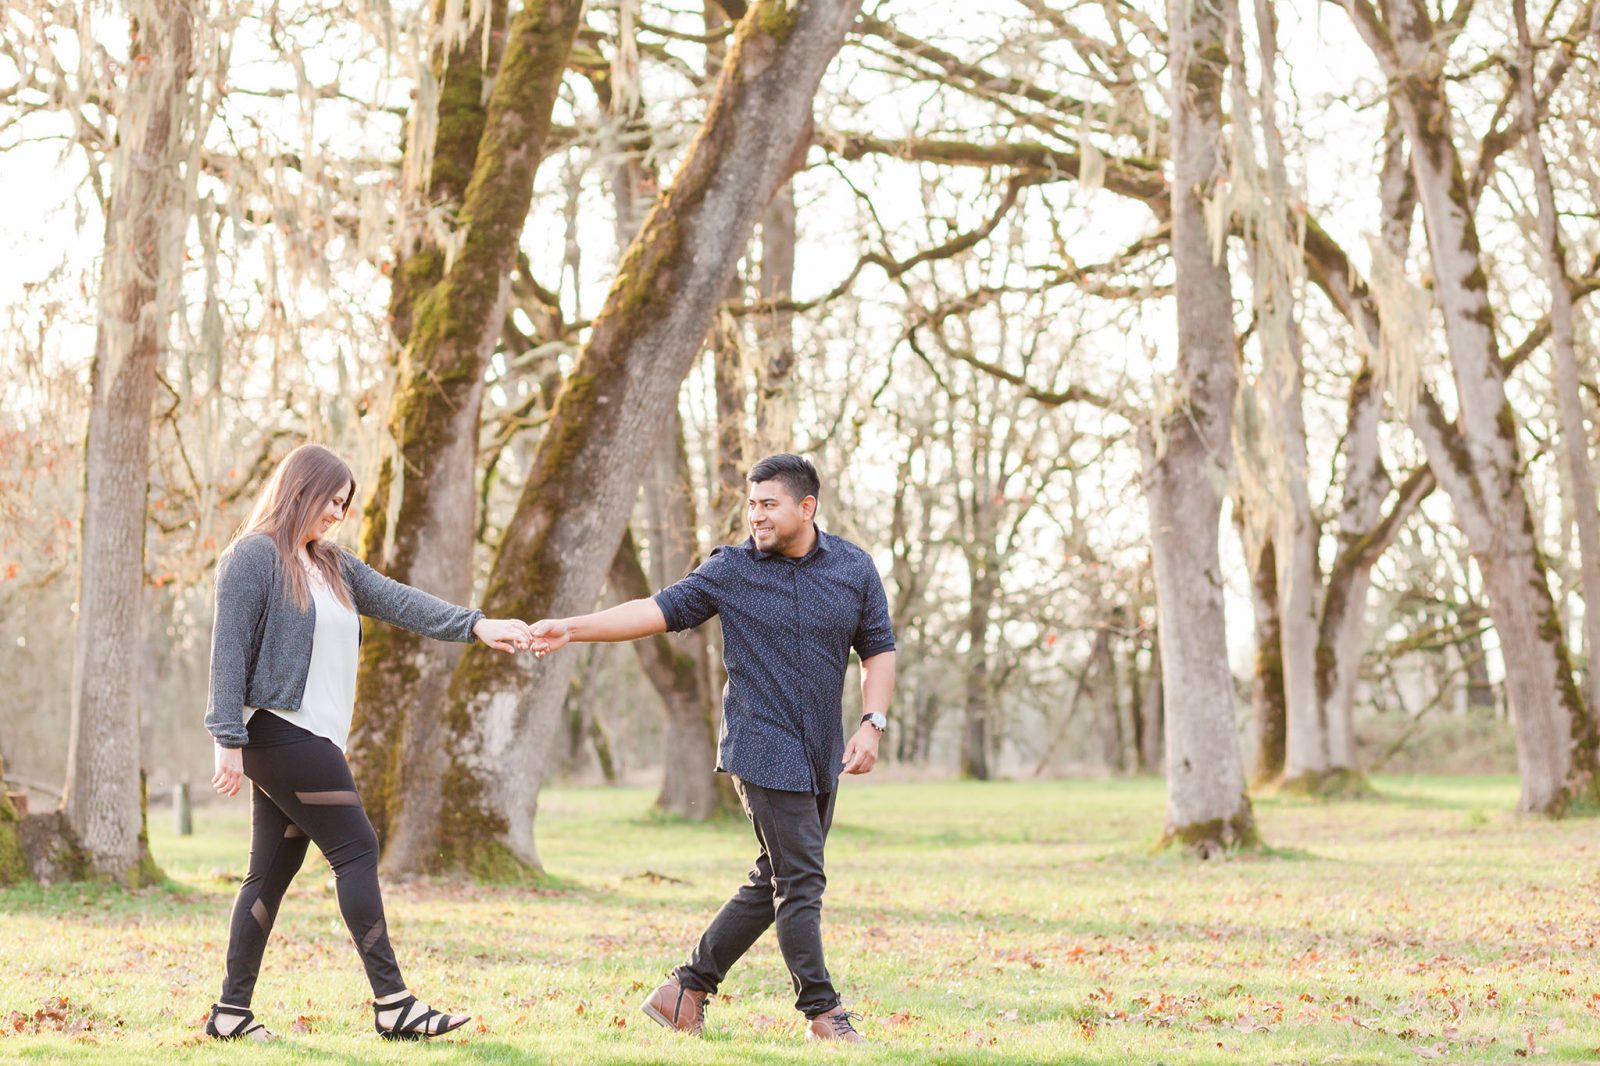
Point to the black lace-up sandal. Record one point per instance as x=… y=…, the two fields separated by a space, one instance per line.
x=245 y=1028
x=407 y=1019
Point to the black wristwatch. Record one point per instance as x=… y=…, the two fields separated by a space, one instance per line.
x=876 y=720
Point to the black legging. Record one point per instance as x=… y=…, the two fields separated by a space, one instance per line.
x=301 y=787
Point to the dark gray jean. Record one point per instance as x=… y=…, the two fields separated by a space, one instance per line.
x=785 y=888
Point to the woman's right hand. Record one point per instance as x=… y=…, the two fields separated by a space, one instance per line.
x=230 y=770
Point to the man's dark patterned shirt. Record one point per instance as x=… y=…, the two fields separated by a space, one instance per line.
x=788 y=627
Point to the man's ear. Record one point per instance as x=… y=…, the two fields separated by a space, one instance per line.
x=808 y=507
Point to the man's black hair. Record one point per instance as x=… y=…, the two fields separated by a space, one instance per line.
x=797 y=474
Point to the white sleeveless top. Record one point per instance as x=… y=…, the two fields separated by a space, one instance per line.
x=330 y=697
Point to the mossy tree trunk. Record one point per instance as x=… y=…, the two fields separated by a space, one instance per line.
x=139 y=274
x=397 y=668
x=1186 y=455
x=13 y=862
x=430 y=525
x=589 y=465
x=1479 y=459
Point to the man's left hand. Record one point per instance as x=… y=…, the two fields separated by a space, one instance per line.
x=861 y=752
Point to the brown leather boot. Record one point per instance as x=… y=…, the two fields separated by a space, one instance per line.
x=676 y=1007
x=834 y=1025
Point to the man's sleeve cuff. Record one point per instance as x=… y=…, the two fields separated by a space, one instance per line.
x=663 y=602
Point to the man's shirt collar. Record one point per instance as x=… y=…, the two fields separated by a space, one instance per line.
x=757 y=554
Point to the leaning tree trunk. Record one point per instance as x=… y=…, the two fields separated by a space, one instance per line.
x=139 y=277
x=1555 y=737
x=678 y=667
x=1185 y=459
x=588 y=467
x=455 y=326
x=1574 y=432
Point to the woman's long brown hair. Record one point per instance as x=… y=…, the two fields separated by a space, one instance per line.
x=288 y=510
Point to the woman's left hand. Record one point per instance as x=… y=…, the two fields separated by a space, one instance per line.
x=506 y=634
x=230 y=771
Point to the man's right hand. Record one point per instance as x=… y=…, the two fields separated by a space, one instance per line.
x=550 y=634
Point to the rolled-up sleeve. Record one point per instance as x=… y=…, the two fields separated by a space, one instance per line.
x=695 y=599
x=401 y=605
x=874 y=633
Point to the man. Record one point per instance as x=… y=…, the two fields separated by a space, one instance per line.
x=794 y=602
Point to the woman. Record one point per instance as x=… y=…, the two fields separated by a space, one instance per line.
x=283 y=678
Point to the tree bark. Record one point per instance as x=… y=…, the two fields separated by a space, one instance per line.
x=139 y=275
x=977 y=732
x=588 y=467
x=775 y=398
x=1186 y=455
x=1555 y=736
x=428 y=500
x=1267 y=700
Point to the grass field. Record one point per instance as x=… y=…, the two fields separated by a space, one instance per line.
x=1000 y=923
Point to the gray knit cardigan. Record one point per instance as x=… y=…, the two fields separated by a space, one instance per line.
x=261 y=641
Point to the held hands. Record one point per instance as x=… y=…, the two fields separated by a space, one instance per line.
x=513 y=635
x=504 y=634
x=861 y=751
x=230 y=770
x=548 y=635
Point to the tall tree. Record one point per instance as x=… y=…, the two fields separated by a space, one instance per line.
x=1186 y=458
x=429 y=529
x=612 y=408
x=143 y=243
x=444 y=129
x=679 y=669
x=1569 y=395
x=1478 y=458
